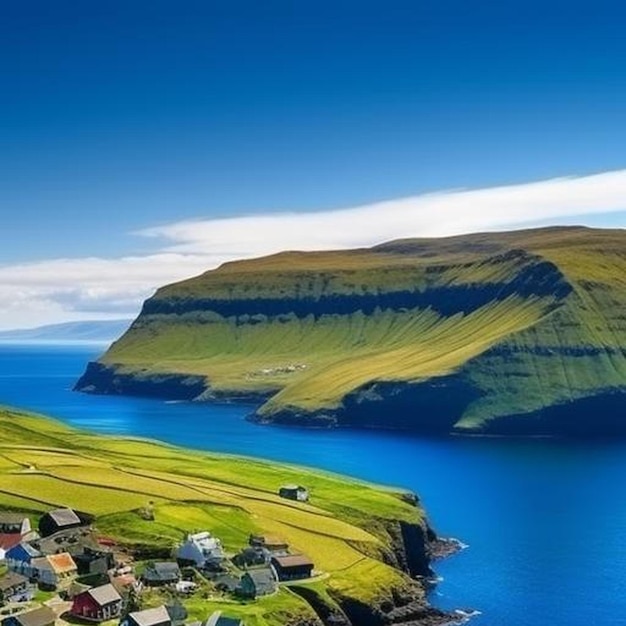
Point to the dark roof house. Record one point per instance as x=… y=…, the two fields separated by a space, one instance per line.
x=43 y=616
x=273 y=543
x=14 y=588
x=149 y=617
x=14 y=523
x=258 y=582
x=292 y=566
x=94 y=561
x=161 y=573
x=59 y=519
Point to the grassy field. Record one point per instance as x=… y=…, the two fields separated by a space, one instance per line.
x=528 y=319
x=45 y=464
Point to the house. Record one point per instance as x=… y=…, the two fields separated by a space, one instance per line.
x=59 y=519
x=19 y=558
x=292 y=566
x=43 y=616
x=164 y=573
x=14 y=588
x=14 y=524
x=55 y=571
x=202 y=549
x=258 y=582
x=94 y=561
x=217 y=619
x=294 y=492
x=97 y=604
x=249 y=557
x=150 y=617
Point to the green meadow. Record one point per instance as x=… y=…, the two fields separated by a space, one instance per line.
x=344 y=528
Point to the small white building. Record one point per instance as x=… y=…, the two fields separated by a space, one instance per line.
x=201 y=548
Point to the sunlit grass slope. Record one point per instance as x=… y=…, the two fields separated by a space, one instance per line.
x=526 y=320
x=45 y=464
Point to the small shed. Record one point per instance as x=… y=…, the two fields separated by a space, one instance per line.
x=149 y=617
x=258 y=582
x=14 y=588
x=163 y=573
x=43 y=616
x=292 y=567
x=57 y=520
x=272 y=543
x=98 y=604
x=294 y=492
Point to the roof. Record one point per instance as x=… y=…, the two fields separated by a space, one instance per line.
x=9 y=540
x=64 y=517
x=38 y=617
x=69 y=540
x=262 y=578
x=105 y=594
x=293 y=560
x=151 y=616
x=26 y=549
x=293 y=487
x=11 y=579
x=163 y=570
x=11 y=518
x=58 y=563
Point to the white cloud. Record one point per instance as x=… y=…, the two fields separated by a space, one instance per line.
x=430 y=215
x=69 y=289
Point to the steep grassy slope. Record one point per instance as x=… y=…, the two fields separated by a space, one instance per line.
x=521 y=332
x=364 y=539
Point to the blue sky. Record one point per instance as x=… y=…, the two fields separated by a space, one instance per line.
x=118 y=117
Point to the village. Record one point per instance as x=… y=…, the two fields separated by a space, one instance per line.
x=64 y=572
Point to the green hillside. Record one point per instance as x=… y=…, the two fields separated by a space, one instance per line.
x=358 y=535
x=519 y=332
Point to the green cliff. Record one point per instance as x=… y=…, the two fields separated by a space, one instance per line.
x=515 y=333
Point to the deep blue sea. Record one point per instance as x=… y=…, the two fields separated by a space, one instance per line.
x=545 y=520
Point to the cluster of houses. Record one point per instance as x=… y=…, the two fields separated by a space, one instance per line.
x=64 y=555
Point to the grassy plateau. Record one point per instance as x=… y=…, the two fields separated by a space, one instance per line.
x=519 y=332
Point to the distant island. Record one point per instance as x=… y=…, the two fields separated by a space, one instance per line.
x=90 y=330
x=129 y=527
x=513 y=333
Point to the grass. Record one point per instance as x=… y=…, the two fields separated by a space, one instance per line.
x=112 y=478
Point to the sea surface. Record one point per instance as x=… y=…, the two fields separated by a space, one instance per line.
x=545 y=520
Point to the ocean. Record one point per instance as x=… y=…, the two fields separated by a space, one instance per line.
x=544 y=520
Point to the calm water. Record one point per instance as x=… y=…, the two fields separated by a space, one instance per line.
x=545 y=521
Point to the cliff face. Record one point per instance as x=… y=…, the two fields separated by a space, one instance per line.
x=508 y=333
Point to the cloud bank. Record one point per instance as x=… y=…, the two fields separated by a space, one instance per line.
x=86 y=288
